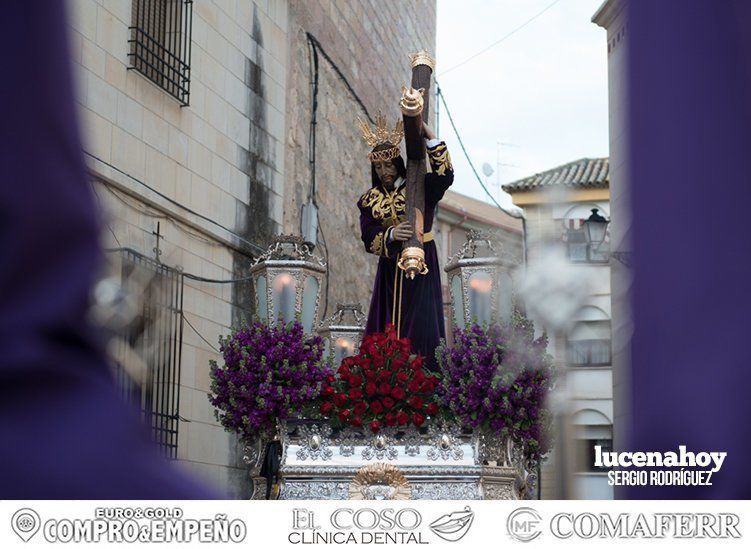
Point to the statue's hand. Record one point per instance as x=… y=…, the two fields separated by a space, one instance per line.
x=412 y=101
x=402 y=231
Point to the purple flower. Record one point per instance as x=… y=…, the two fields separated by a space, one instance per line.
x=269 y=373
x=497 y=379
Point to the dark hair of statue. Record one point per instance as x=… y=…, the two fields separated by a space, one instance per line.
x=401 y=169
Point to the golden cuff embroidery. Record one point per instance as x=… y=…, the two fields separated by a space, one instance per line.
x=440 y=160
x=376 y=247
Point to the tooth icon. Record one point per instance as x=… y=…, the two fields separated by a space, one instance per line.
x=453 y=526
x=25 y=523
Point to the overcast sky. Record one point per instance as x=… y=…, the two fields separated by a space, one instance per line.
x=542 y=92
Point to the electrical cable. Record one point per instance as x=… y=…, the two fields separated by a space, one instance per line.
x=442 y=98
x=341 y=76
x=185 y=318
x=252 y=245
x=494 y=44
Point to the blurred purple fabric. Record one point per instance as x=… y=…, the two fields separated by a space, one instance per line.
x=690 y=114
x=65 y=432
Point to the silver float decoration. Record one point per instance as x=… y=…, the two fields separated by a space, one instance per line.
x=441 y=461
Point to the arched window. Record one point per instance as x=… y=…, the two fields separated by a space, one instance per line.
x=589 y=343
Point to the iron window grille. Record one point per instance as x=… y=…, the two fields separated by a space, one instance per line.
x=589 y=344
x=155 y=336
x=586 y=449
x=589 y=352
x=160 y=44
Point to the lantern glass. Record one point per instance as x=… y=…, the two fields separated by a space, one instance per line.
x=283 y=296
x=309 y=298
x=456 y=299
x=595 y=228
x=480 y=297
x=343 y=347
x=505 y=296
x=261 y=299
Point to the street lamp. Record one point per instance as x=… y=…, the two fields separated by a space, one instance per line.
x=595 y=228
x=287 y=280
x=342 y=332
x=480 y=283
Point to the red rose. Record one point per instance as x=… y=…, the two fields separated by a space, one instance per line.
x=415 y=402
x=402 y=377
x=398 y=362
x=344 y=371
x=384 y=388
x=416 y=363
x=355 y=380
x=414 y=386
x=388 y=402
x=397 y=393
x=376 y=407
x=402 y=418
x=432 y=409
x=328 y=390
x=418 y=419
x=419 y=376
x=356 y=421
x=360 y=407
x=378 y=360
x=355 y=393
x=330 y=379
x=340 y=399
x=370 y=375
x=344 y=416
x=384 y=375
x=370 y=388
x=427 y=386
x=390 y=419
x=326 y=407
x=375 y=425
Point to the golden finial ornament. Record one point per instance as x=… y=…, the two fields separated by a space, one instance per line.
x=422 y=57
x=412 y=101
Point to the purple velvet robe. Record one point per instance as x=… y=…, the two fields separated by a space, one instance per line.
x=419 y=316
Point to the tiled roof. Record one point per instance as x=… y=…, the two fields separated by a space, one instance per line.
x=584 y=173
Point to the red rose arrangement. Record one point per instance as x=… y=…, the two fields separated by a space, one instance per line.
x=383 y=386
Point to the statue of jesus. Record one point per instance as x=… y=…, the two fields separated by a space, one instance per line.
x=414 y=306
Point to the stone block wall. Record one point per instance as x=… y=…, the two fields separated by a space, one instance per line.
x=211 y=174
x=368 y=41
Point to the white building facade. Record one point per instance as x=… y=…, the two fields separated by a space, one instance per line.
x=557 y=202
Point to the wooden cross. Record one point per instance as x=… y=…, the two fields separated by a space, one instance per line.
x=415 y=106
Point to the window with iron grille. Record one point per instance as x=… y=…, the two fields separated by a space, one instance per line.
x=589 y=344
x=160 y=44
x=580 y=251
x=148 y=355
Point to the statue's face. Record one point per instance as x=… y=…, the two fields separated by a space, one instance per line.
x=386 y=171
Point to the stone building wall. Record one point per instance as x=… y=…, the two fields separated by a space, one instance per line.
x=368 y=41
x=211 y=174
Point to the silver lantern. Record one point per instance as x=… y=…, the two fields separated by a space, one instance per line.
x=342 y=332
x=287 y=280
x=480 y=283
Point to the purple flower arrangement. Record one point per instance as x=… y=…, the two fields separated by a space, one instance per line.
x=269 y=373
x=496 y=378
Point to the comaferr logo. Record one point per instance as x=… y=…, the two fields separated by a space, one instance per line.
x=657 y=525
x=524 y=524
